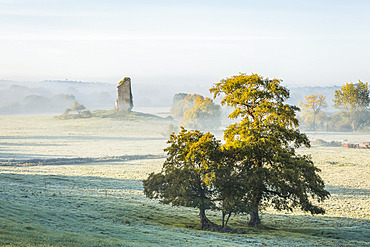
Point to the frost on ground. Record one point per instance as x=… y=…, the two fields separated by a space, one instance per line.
x=102 y=204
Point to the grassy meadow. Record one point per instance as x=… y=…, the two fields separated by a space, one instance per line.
x=77 y=182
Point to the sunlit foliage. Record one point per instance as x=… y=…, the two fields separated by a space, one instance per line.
x=264 y=142
x=181 y=103
x=256 y=167
x=312 y=110
x=353 y=101
x=204 y=114
x=186 y=173
x=196 y=112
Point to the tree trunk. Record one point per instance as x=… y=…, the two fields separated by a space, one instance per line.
x=227 y=220
x=223 y=219
x=204 y=221
x=255 y=219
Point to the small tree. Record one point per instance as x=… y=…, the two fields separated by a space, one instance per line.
x=186 y=173
x=313 y=106
x=77 y=107
x=263 y=141
x=353 y=100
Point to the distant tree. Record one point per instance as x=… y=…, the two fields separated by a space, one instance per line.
x=186 y=173
x=263 y=142
x=204 y=114
x=183 y=102
x=312 y=107
x=353 y=100
x=352 y=97
x=77 y=107
x=196 y=112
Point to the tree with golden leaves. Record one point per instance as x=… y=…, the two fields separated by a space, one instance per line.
x=313 y=106
x=353 y=101
x=263 y=141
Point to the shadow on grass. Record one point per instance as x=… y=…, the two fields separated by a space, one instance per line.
x=63 y=182
x=339 y=190
x=7 y=157
x=80 y=137
x=8 y=144
x=76 y=161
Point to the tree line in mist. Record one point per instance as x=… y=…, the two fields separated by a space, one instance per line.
x=351 y=102
x=321 y=107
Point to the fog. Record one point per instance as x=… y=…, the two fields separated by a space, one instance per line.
x=54 y=96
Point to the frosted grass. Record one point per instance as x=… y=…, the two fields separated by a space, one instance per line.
x=102 y=204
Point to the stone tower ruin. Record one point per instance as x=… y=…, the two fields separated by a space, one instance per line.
x=124 y=100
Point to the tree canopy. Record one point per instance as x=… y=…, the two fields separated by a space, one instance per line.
x=353 y=100
x=264 y=143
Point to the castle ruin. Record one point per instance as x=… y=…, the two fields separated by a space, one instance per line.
x=124 y=100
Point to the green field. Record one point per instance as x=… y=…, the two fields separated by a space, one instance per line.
x=78 y=183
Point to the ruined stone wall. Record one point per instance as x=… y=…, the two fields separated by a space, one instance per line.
x=124 y=100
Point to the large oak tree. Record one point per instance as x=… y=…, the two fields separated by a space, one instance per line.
x=264 y=140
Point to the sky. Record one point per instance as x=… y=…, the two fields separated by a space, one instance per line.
x=316 y=42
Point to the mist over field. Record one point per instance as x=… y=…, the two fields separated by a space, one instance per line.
x=31 y=97
x=53 y=97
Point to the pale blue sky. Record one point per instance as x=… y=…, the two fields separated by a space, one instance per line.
x=302 y=42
